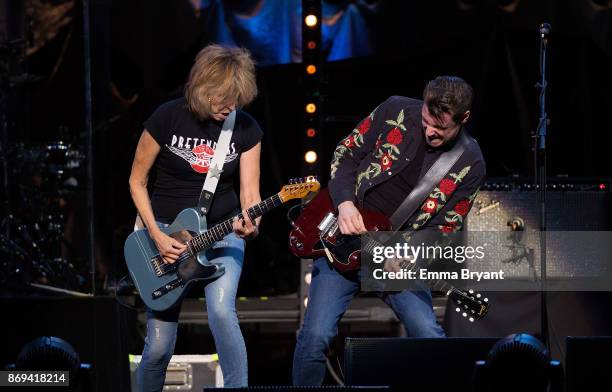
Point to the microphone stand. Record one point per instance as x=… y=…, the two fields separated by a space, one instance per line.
x=540 y=177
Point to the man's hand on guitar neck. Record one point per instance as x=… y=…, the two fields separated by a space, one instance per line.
x=350 y=220
x=396 y=265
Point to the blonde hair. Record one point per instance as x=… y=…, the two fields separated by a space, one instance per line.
x=218 y=70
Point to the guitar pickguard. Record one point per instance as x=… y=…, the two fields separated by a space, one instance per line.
x=344 y=247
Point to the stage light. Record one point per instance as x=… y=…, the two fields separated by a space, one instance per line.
x=466 y=5
x=602 y=4
x=518 y=362
x=310 y=157
x=50 y=353
x=308 y=278
x=311 y=45
x=311 y=69
x=508 y=6
x=311 y=132
x=311 y=20
x=306 y=302
x=311 y=108
x=602 y=187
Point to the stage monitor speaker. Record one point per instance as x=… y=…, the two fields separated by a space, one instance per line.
x=97 y=328
x=415 y=364
x=587 y=363
x=280 y=388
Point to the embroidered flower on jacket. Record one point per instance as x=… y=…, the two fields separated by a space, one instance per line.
x=386 y=161
x=447 y=186
x=364 y=126
x=462 y=207
x=349 y=142
x=395 y=136
x=449 y=227
x=430 y=206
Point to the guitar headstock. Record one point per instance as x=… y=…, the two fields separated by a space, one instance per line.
x=299 y=187
x=470 y=304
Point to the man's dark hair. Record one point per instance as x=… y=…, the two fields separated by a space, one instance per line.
x=448 y=94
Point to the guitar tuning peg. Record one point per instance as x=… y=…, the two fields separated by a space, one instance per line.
x=464 y=314
x=471 y=319
x=486 y=300
x=458 y=310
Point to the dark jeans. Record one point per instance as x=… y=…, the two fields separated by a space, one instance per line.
x=329 y=297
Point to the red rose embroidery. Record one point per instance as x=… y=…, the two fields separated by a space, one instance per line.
x=385 y=161
x=395 y=136
x=349 y=142
x=430 y=205
x=448 y=228
x=447 y=186
x=364 y=126
x=462 y=207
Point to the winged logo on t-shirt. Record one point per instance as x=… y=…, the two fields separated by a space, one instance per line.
x=199 y=157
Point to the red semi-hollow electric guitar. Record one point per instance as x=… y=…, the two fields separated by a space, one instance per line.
x=316 y=233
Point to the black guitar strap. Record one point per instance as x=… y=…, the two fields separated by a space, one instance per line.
x=428 y=182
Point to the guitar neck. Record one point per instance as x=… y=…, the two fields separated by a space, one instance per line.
x=220 y=230
x=435 y=284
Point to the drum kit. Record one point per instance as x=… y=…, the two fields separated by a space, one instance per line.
x=42 y=184
x=45 y=182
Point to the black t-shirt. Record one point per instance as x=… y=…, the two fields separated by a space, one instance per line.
x=187 y=148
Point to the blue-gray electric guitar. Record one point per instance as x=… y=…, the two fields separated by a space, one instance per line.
x=160 y=284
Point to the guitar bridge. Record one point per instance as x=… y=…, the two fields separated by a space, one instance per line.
x=159 y=267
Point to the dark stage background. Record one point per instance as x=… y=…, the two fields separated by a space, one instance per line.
x=142 y=51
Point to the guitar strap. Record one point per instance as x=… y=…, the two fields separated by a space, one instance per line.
x=216 y=164
x=428 y=182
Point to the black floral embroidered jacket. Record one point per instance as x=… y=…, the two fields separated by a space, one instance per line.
x=383 y=144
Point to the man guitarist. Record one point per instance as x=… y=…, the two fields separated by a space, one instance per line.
x=376 y=167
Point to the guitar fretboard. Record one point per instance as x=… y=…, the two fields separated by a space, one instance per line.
x=220 y=230
x=435 y=284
